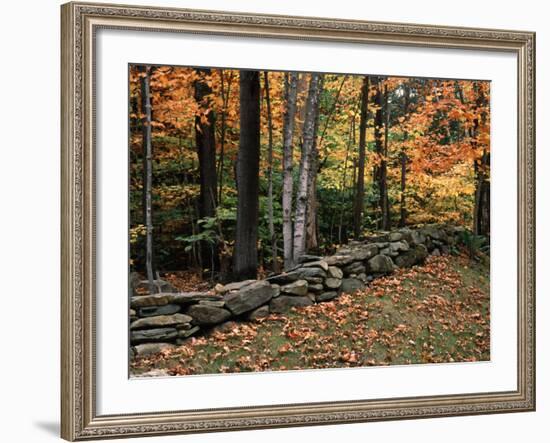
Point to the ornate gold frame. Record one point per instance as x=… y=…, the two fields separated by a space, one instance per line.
x=79 y=420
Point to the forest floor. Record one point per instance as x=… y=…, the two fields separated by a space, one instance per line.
x=435 y=313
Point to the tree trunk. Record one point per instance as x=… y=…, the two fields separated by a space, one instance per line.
x=245 y=258
x=305 y=166
x=403 y=159
x=291 y=80
x=225 y=97
x=360 y=193
x=206 y=149
x=384 y=200
x=147 y=173
x=273 y=238
x=482 y=203
x=343 y=195
x=312 y=238
x=402 y=206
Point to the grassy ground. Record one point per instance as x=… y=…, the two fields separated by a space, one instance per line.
x=435 y=313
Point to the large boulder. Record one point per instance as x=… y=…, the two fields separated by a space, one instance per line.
x=395 y=236
x=185 y=333
x=316 y=264
x=435 y=232
x=333 y=283
x=189 y=298
x=151 y=311
x=161 y=321
x=334 y=272
x=261 y=312
x=339 y=260
x=235 y=286
x=310 y=274
x=298 y=287
x=364 y=252
x=380 y=264
x=380 y=238
x=153 y=335
x=417 y=238
x=283 y=303
x=412 y=257
x=309 y=258
x=215 y=303
x=354 y=268
x=314 y=280
x=326 y=296
x=249 y=297
x=316 y=288
x=283 y=278
x=141 y=301
x=208 y=315
x=351 y=285
x=305 y=273
x=276 y=290
x=399 y=246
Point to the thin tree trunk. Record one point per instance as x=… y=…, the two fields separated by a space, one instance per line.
x=273 y=238
x=482 y=220
x=384 y=200
x=291 y=80
x=245 y=258
x=312 y=239
x=360 y=194
x=206 y=149
x=148 y=173
x=403 y=159
x=344 y=177
x=378 y=143
x=305 y=165
x=225 y=97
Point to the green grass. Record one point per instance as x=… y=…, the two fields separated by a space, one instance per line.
x=434 y=313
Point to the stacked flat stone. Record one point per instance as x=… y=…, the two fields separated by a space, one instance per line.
x=166 y=319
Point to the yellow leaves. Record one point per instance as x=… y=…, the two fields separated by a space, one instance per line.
x=136 y=232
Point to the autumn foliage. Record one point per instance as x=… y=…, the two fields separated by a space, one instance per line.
x=429 y=136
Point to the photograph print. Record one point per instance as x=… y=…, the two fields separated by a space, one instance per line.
x=299 y=220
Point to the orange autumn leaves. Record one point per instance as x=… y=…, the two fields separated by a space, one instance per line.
x=438 y=312
x=445 y=130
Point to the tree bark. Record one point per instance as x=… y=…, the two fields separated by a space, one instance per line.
x=147 y=172
x=306 y=161
x=291 y=81
x=482 y=202
x=245 y=259
x=225 y=97
x=403 y=159
x=273 y=238
x=341 y=236
x=206 y=148
x=384 y=200
x=360 y=193
x=312 y=238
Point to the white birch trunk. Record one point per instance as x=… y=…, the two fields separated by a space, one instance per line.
x=288 y=133
x=305 y=166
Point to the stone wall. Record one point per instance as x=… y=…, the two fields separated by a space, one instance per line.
x=168 y=318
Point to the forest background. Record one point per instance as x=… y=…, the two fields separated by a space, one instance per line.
x=239 y=173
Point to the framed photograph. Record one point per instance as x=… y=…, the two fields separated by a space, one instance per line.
x=277 y=221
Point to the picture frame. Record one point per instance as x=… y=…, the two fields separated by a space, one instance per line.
x=79 y=397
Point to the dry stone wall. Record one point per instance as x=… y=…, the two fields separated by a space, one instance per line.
x=168 y=318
